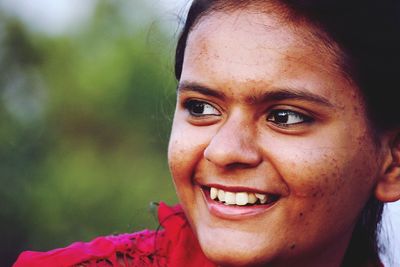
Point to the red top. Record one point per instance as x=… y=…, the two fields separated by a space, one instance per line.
x=175 y=245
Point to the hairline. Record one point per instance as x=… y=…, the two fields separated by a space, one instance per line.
x=292 y=19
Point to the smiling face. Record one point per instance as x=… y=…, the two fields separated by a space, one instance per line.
x=270 y=151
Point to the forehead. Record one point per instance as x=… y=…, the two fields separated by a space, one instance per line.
x=248 y=46
x=237 y=40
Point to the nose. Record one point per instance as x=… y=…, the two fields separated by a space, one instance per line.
x=234 y=145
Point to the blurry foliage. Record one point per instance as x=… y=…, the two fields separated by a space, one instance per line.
x=85 y=120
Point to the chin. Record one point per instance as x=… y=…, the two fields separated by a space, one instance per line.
x=233 y=258
x=231 y=248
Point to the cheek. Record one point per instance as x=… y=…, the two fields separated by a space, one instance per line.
x=313 y=173
x=179 y=162
x=328 y=188
x=185 y=150
x=177 y=155
x=326 y=171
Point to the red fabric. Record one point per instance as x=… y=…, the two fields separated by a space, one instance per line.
x=176 y=245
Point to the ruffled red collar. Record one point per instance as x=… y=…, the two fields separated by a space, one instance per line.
x=175 y=245
x=184 y=249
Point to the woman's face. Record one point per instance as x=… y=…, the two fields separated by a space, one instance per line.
x=270 y=150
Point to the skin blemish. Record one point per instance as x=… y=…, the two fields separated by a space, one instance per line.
x=320 y=168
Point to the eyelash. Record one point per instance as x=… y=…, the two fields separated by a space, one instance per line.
x=192 y=104
x=273 y=116
x=288 y=115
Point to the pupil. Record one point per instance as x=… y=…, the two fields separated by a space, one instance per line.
x=282 y=117
x=198 y=108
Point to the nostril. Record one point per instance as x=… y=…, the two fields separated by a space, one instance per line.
x=238 y=165
x=233 y=158
x=234 y=145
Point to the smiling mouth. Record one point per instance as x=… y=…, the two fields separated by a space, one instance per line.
x=241 y=198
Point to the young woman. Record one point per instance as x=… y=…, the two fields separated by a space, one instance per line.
x=285 y=142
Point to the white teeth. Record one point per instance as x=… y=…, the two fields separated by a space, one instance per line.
x=221 y=195
x=213 y=193
x=230 y=198
x=240 y=198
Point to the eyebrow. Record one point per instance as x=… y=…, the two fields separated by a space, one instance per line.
x=195 y=87
x=276 y=94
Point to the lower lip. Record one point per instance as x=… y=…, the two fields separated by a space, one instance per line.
x=234 y=212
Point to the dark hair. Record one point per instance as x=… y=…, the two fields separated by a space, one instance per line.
x=368 y=36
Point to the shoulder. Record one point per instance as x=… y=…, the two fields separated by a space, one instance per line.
x=143 y=248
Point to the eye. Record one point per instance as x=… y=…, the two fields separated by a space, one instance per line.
x=200 y=108
x=287 y=117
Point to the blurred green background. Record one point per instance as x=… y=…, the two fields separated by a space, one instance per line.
x=85 y=116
